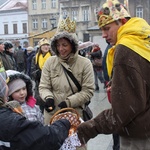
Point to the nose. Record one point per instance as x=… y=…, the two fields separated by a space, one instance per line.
x=104 y=34
x=60 y=47
x=22 y=91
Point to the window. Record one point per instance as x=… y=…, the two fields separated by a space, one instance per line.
x=43 y=4
x=74 y=14
x=85 y=13
x=15 y=30
x=34 y=23
x=34 y=5
x=5 y=28
x=24 y=27
x=139 y=11
x=64 y=13
x=53 y=3
x=44 y=23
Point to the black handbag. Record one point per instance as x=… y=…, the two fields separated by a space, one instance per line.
x=87 y=113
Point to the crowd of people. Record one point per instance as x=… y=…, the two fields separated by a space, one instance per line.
x=66 y=75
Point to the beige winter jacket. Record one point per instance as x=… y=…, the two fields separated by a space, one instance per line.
x=54 y=83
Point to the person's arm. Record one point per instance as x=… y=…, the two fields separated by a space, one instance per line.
x=34 y=136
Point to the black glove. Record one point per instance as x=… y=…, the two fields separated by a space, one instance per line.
x=62 y=104
x=49 y=105
x=61 y=129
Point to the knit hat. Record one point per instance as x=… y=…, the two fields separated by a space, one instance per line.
x=111 y=11
x=30 y=48
x=15 y=85
x=43 y=41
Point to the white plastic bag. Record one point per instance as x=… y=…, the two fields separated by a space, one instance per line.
x=71 y=143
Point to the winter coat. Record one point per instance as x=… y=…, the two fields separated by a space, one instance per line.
x=28 y=135
x=104 y=65
x=11 y=60
x=29 y=61
x=54 y=83
x=130 y=98
x=6 y=63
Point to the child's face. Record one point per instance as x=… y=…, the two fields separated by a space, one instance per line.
x=20 y=95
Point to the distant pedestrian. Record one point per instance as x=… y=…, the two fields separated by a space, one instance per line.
x=29 y=56
x=5 y=58
x=9 y=51
x=96 y=59
x=38 y=61
x=20 y=59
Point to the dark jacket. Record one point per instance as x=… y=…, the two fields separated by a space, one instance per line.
x=104 y=64
x=26 y=135
x=6 y=62
x=29 y=61
x=130 y=98
x=11 y=59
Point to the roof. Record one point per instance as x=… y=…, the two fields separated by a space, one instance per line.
x=14 y=4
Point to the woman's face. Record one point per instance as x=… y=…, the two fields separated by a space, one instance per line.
x=45 y=48
x=64 y=47
x=20 y=95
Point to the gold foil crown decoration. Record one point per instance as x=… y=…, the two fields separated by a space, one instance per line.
x=43 y=41
x=67 y=25
x=111 y=11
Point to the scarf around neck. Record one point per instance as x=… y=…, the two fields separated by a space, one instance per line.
x=41 y=59
x=135 y=34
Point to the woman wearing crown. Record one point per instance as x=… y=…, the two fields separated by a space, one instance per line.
x=56 y=88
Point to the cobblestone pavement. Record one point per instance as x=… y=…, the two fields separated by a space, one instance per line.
x=98 y=104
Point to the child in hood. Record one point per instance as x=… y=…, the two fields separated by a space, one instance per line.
x=20 y=89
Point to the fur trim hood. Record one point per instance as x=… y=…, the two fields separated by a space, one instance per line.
x=25 y=78
x=72 y=37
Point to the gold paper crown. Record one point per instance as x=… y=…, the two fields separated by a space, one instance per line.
x=112 y=10
x=43 y=41
x=67 y=25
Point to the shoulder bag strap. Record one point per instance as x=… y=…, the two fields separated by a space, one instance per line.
x=75 y=82
x=72 y=78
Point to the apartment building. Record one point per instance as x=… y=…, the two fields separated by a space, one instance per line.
x=31 y=20
x=43 y=16
x=14 y=22
x=84 y=12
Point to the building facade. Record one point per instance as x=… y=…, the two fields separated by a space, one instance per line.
x=43 y=16
x=14 y=22
x=84 y=12
x=31 y=20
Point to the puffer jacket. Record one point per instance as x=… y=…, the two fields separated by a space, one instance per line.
x=130 y=95
x=54 y=84
x=23 y=134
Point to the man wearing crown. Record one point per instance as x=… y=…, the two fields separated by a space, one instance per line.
x=56 y=87
x=128 y=64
